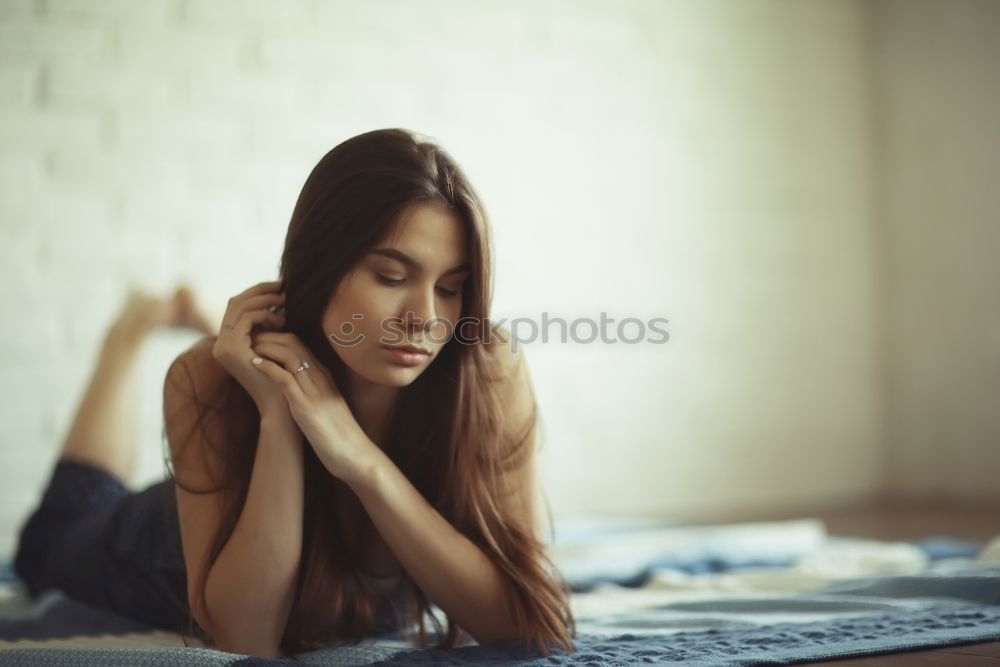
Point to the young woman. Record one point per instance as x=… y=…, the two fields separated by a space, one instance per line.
x=358 y=439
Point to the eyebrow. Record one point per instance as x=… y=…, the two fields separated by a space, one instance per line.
x=392 y=253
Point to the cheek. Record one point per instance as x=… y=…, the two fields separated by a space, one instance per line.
x=342 y=314
x=450 y=313
x=349 y=300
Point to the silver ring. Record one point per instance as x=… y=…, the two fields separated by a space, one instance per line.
x=305 y=365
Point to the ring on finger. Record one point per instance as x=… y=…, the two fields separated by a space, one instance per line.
x=302 y=367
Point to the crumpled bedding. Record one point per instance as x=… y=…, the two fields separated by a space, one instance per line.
x=769 y=593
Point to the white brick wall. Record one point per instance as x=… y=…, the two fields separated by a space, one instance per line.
x=707 y=162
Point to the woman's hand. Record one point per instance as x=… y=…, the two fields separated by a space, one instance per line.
x=232 y=349
x=315 y=402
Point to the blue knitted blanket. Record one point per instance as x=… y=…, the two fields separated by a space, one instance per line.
x=856 y=617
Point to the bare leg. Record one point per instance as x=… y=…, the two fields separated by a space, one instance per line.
x=103 y=429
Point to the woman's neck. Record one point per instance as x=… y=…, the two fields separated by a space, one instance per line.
x=373 y=406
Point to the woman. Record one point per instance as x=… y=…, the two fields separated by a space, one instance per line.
x=322 y=471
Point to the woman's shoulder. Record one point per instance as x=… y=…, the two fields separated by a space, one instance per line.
x=199 y=353
x=510 y=379
x=506 y=356
x=196 y=368
x=198 y=428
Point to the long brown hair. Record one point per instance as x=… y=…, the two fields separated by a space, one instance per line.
x=446 y=433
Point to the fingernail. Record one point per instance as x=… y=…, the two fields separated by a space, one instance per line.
x=257 y=361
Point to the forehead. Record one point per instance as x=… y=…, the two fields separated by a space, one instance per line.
x=431 y=233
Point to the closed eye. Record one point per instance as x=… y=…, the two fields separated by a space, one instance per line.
x=389 y=281
x=399 y=281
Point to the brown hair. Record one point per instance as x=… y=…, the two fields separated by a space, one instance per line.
x=446 y=432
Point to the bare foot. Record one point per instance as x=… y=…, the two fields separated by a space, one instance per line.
x=143 y=312
x=189 y=313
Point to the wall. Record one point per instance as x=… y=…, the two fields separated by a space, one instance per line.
x=938 y=107
x=710 y=163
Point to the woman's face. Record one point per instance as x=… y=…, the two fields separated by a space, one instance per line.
x=406 y=291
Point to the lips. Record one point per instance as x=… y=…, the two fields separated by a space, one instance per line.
x=409 y=348
x=404 y=355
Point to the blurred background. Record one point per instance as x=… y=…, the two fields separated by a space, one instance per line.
x=807 y=191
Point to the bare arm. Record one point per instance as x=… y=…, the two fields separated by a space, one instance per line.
x=250 y=587
x=454 y=572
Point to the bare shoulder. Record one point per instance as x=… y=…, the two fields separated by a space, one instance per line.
x=195 y=433
x=509 y=370
x=520 y=500
x=509 y=363
x=195 y=372
x=197 y=360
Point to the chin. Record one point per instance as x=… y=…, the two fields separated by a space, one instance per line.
x=391 y=376
x=375 y=369
x=403 y=377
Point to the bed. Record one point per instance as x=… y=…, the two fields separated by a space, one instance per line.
x=779 y=592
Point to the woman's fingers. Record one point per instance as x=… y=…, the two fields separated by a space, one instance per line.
x=237 y=308
x=260 y=288
x=249 y=318
x=289 y=359
x=245 y=324
x=289 y=340
x=318 y=373
x=279 y=375
x=258 y=296
x=263 y=300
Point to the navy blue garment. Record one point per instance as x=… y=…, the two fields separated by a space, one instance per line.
x=100 y=543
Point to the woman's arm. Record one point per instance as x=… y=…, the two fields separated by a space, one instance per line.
x=250 y=587
x=453 y=572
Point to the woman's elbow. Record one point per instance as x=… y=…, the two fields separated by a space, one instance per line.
x=242 y=641
x=248 y=644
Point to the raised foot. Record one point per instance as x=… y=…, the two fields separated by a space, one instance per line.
x=144 y=312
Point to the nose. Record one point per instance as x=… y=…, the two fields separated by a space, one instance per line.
x=420 y=313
